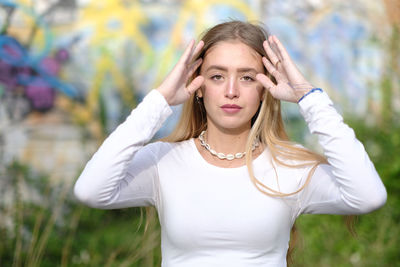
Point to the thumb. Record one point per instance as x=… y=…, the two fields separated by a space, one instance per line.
x=265 y=81
x=195 y=84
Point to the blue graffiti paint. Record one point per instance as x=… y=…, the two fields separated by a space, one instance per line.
x=15 y=55
x=12 y=52
x=38 y=21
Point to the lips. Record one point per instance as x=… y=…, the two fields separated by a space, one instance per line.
x=231 y=108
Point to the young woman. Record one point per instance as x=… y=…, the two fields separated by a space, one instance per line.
x=228 y=185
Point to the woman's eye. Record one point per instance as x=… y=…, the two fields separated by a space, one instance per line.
x=216 y=77
x=248 y=78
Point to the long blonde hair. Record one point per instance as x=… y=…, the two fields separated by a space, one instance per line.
x=267 y=123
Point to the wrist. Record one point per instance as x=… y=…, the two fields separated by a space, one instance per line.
x=300 y=89
x=310 y=91
x=164 y=94
x=301 y=93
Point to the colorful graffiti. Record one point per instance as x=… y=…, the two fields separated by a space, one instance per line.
x=94 y=60
x=29 y=80
x=95 y=37
x=72 y=70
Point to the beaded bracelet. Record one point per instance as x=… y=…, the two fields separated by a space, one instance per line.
x=309 y=92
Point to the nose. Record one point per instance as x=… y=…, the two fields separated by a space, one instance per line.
x=232 y=90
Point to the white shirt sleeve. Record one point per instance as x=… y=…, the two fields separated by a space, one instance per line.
x=107 y=180
x=349 y=184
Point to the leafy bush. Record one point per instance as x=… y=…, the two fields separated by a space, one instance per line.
x=53 y=230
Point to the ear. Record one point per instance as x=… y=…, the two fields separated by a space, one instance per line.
x=199 y=93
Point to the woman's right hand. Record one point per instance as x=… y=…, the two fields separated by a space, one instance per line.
x=174 y=88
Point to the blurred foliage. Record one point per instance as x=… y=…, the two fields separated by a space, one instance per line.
x=56 y=231
x=325 y=239
x=43 y=226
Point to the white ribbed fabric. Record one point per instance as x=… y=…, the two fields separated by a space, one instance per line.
x=212 y=216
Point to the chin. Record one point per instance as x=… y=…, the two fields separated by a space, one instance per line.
x=234 y=126
x=230 y=123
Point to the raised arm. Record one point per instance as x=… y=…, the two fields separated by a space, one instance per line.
x=106 y=181
x=123 y=173
x=349 y=184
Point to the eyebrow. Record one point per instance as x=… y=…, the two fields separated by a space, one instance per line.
x=217 y=67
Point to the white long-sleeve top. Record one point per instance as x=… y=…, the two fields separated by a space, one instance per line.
x=212 y=216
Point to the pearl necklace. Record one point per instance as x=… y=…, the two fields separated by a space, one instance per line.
x=222 y=155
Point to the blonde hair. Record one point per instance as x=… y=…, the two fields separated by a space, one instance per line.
x=267 y=123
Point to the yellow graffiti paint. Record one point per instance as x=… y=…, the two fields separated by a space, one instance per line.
x=112 y=19
x=195 y=10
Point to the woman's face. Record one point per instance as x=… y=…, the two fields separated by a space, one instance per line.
x=230 y=91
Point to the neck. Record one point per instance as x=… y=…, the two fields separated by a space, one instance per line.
x=227 y=141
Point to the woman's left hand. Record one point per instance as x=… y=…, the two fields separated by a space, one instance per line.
x=290 y=83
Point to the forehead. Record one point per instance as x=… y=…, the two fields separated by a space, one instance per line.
x=233 y=54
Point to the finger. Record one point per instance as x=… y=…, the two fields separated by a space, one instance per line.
x=197 y=50
x=270 y=53
x=280 y=47
x=273 y=71
x=195 y=84
x=187 y=53
x=194 y=52
x=194 y=67
x=274 y=48
x=265 y=81
x=270 y=68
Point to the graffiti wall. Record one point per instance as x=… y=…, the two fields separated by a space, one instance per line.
x=71 y=70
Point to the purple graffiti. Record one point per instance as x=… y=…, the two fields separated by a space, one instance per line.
x=40 y=94
x=7 y=76
x=62 y=55
x=37 y=79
